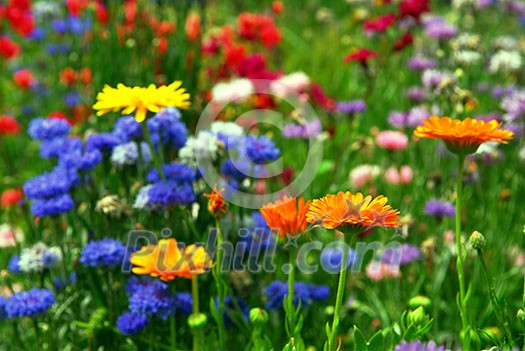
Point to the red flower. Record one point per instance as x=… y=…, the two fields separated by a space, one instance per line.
x=85 y=76
x=23 y=78
x=11 y=197
x=321 y=98
x=277 y=7
x=414 y=8
x=270 y=35
x=75 y=7
x=59 y=115
x=101 y=12
x=379 y=24
x=193 y=26
x=67 y=76
x=18 y=13
x=8 y=125
x=8 y=48
x=362 y=56
x=248 y=25
x=403 y=42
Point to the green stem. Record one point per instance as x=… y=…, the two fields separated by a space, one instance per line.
x=60 y=243
x=290 y=315
x=16 y=335
x=338 y=301
x=221 y=285
x=498 y=309
x=197 y=332
x=173 y=325
x=462 y=304
x=154 y=155
x=189 y=222
x=37 y=333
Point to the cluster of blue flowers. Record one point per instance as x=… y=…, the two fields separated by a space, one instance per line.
x=103 y=253
x=306 y=293
x=148 y=299
x=72 y=24
x=50 y=191
x=27 y=303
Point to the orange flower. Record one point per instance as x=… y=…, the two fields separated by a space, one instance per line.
x=287 y=216
x=462 y=136
x=217 y=206
x=354 y=211
x=167 y=261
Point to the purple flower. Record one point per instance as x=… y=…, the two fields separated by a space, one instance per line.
x=421 y=63
x=501 y=91
x=437 y=27
x=303 y=131
x=306 y=293
x=440 y=208
x=351 y=107
x=432 y=78
x=418 y=346
x=401 y=255
x=416 y=116
x=514 y=105
x=416 y=94
x=397 y=119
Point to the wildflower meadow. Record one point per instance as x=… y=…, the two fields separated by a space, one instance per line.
x=265 y=175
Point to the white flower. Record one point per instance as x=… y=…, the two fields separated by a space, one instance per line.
x=127 y=154
x=489 y=147
x=505 y=61
x=237 y=89
x=289 y=84
x=142 y=199
x=206 y=142
x=39 y=257
x=227 y=128
x=504 y=43
x=467 y=57
x=45 y=8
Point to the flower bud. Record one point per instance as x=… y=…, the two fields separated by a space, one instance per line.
x=521 y=315
x=418 y=317
x=419 y=301
x=196 y=321
x=477 y=240
x=258 y=316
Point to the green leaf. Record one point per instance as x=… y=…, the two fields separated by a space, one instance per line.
x=359 y=340
x=377 y=342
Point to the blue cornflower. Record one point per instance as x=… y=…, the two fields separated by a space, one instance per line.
x=52 y=206
x=183 y=303
x=332 y=255
x=58 y=146
x=174 y=171
x=306 y=293
x=129 y=323
x=418 y=346
x=230 y=306
x=169 y=193
x=167 y=123
x=72 y=99
x=127 y=154
x=59 y=25
x=401 y=255
x=57 y=48
x=3 y=313
x=101 y=141
x=29 y=303
x=135 y=284
x=440 y=209
x=44 y=129
x=48 y=185
x=153 y=300
x=103 y=253
x=13 y=266
x=260 y=149
x=77 y=26
x=127 y=129
x=37 y=34
x=77 y=160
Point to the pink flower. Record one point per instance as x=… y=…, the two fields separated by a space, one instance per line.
x=7 y=236
x=392 y=140
x=362 y=175
x=406 y=174
x=392 y=176
x=402 y=176
x=376 y=270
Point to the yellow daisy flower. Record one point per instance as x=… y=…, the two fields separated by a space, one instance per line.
x=141 y=100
